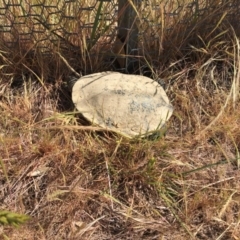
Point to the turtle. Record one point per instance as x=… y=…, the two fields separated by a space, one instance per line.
x=130 y=105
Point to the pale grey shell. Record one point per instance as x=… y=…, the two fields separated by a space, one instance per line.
x=131 y=105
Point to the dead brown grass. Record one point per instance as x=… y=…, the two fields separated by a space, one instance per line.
x=79 y=182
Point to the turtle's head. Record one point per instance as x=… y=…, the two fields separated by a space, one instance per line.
x=71 y=80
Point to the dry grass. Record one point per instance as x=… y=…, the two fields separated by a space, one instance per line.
x=79 y=182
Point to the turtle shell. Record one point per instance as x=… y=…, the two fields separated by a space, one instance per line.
x=131 y=105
